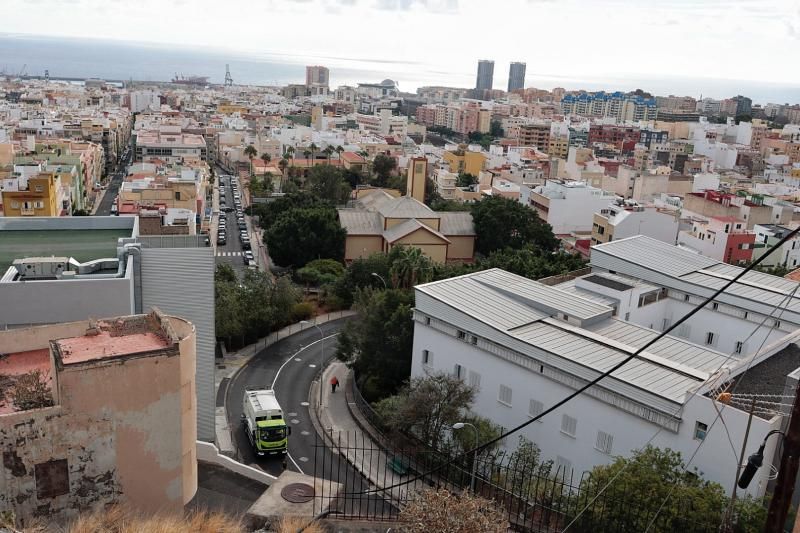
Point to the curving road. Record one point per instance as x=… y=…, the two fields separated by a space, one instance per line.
x=289 y=366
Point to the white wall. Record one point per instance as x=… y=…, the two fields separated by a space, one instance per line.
x=629 y=432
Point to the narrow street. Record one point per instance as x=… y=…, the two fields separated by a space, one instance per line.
x=289 y=367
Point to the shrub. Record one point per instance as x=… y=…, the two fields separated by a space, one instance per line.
x=440 y=511
x=31 y=391
x=301 y=311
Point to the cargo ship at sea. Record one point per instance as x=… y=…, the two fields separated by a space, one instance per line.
x=190 y=80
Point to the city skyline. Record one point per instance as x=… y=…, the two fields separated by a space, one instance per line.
x=696 y=35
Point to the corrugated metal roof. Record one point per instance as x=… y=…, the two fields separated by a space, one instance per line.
x=405 y=207
x=656 y=255
x=540 y=295
x=569 y=286
x=456 y=223
x=360 y=222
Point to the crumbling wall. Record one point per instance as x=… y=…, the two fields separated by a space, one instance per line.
x=55 y=465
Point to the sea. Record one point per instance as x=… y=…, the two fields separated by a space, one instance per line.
x=119 y=60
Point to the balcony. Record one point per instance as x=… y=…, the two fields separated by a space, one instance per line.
x=27 y=212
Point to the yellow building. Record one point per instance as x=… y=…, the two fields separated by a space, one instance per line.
x=40 y=199
x=558 y=146
x=417 y=175
x=463 y=161
x=484 y=121
x=379 y=222
x=230 y=109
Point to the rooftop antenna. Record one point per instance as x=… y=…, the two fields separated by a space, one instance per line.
x=228 y=77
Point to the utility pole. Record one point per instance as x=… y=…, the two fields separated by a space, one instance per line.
x=787 y=471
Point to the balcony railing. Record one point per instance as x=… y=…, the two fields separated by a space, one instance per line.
x=26 y=211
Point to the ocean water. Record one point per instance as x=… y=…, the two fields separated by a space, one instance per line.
x=116 y=60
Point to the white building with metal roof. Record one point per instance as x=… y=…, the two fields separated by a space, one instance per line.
x=524 y=345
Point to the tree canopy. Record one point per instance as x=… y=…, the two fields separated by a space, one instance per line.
x=383 y=166
x=328 y=182
x=300 y=235
x=504 y=223
x=531 y=262
x=378 y=345
x=250 y=308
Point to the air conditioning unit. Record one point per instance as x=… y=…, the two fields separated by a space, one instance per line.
x=41 y=267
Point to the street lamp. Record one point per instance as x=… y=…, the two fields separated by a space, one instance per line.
x=460 y=425
x=321 y=356
x=380 y=278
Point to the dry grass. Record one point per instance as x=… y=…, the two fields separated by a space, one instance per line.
x=440 y=511
x=119 y=520
x=293 y=524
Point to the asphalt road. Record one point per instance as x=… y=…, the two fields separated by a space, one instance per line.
x=231 y=252
x=289 y=367
x=104 y=209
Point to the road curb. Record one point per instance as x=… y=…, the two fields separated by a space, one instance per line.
x=232 y=428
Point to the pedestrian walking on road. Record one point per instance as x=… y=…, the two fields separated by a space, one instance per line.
x=334 y=383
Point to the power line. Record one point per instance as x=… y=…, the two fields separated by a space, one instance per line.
x=713 y=422
x=599 y=378
x=680 y=409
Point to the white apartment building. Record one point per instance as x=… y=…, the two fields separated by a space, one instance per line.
x=767 y=237
x=383 y=123
x=144 y=100
x=621 y=220
x=719 y=238
x=569 y=206
x=524 y=345
x=445 y=183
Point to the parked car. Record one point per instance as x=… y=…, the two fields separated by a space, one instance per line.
x=248 y=257
x=220 y=238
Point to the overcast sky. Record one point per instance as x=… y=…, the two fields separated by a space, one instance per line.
x=570 y=40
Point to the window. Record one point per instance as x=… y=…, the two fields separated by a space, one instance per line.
x=776 y=323
x=685 y=297
x=569 y=425
x=427 y=358
x=462 y=335
x=710 y=338
x=39 y=204
x=427 y=321
x=535 y=408
x=38 y=188
x=505 y=395
x=458 y=371
x=627 y=316
x=14 y=204
x=715 y=306
x=177 y=195
x=473 y=340
x=745 y=315
x=563 y=466
x=52 y=478
x=604 y=442
x=474 y=380
x=739 y=347
x=700 y=430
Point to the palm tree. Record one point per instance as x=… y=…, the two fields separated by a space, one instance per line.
x=339 y=151
x=306 y=153
x=328 y=151
x=411 y=267
x=290 y=155
x=365 y=155
x=250 y=151
x=313 y=147
x=266 y=158
x=282 y=164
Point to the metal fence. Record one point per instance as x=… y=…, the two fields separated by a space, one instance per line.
x=365 y=481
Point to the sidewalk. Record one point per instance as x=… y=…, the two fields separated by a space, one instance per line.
x=335 y=418
x=231 y=363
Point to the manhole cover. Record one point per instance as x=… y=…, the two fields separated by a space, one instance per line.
x=298 y=493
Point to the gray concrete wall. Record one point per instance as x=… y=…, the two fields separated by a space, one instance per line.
x=70 y=223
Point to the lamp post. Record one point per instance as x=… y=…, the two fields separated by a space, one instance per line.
x=380 y=278
x=460 y=425
x=321 y=356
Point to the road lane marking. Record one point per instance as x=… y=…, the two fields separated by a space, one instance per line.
x=274 y=381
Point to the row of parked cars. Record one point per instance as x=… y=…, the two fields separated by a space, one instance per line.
x=225 y=210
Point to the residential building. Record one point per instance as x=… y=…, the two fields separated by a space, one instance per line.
x=317 y=75
x=170 y=147
x=524 y=345
x=40 y=195
x=725 y=239
x=751 y=209
x=383 y=123
x=516 y=76
x=379 y=222
x=569 y=206
x=767 y=237
x=464 y=161
x=445 y=183
x=122 y=425
x=623 y=137
x=125 y=273
x=619 y=105
x=623 y=219
x=744 y=105
x=536 y=135
x=485 y=79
